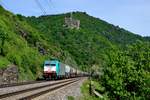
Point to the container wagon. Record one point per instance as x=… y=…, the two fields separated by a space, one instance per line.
x=73 y=72
x=67 y=71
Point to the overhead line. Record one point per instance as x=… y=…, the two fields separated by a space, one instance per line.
x=3 y=4
x=49 y=2
x=40 y=6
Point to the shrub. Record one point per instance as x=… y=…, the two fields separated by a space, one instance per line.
x=127 y=73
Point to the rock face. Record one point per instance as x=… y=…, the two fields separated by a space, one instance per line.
x=9 y=75
x=1 y=78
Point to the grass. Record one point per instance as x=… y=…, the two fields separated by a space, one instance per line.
x=3 y=63
x=85 y=91
x=70 y=98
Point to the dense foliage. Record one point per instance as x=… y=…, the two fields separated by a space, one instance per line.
x=15 y=49
x=127 y=74
x=86 y=45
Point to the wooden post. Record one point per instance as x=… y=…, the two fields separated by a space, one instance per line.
x=90 y=84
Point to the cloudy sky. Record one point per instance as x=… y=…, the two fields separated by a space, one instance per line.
x=133 y=15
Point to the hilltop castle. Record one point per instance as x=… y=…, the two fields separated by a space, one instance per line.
x=72 y=23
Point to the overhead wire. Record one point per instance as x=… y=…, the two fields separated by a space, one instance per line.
x=3 y=4
x=36 y=1
x=51 y=5
x=48 y=3
x=40 y=6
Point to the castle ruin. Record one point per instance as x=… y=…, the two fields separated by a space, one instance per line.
x=72 y=23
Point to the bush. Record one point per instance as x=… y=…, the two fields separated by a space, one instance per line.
x=3 y=62
x=127 y=74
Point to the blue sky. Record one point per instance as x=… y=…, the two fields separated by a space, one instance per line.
x=133 y=15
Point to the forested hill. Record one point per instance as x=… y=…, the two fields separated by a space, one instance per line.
x=147 y=38
x=114 y=34
x=88 y=44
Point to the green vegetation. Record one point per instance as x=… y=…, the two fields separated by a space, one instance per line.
x=15 y=49
x=124 y=57
x=3 y=62
x=70 y=98
x=127 y=73
x=87 y=45
x=86 y=94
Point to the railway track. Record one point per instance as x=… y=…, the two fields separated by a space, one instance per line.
x=19 y=84
x=33 y=92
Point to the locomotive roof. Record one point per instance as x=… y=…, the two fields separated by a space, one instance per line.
x=51 y=61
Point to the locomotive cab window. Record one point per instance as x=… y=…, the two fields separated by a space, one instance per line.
x=52 y=65
x=47 y=64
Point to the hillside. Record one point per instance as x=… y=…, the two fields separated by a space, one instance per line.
x=17 y=49
x=32 y=40
x=115 y=34
x=88 y=44
x=147 y=38
x=24 y=46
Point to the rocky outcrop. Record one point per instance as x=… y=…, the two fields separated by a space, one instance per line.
x=9 y=75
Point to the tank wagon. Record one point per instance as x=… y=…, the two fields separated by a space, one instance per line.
x=54 y=69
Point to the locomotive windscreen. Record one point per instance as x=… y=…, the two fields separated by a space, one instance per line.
x=47 y=64
x=52 y=65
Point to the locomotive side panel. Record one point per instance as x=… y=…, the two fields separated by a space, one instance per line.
x=61 y=69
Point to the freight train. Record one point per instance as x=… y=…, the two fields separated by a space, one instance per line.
x=54 y=69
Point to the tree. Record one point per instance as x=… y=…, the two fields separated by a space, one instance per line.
x=127 y=73
x=3 y=38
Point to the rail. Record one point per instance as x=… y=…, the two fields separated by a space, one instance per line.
x=46 y=88
x=19 y=84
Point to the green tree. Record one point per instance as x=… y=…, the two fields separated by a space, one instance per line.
x=127 y=74
x=3 y=38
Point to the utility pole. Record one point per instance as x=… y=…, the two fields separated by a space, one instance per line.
x=90 y=84
x=71 y=15
x=90 y=69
